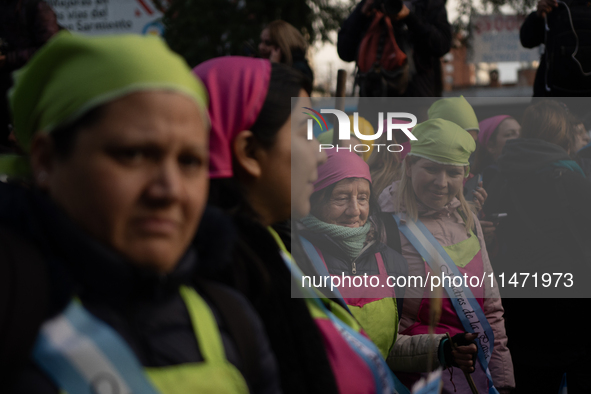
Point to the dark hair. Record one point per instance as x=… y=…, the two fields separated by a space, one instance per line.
x=64 y=137
x=285 y=83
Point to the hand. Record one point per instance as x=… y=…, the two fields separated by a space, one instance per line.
x=480 y=196
x=464 y=356
x=404 y=12
x=545 y=7
x=2 y=61
x=275 y=55
x=488 y=230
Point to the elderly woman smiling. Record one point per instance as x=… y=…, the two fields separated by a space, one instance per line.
x=117 y=131
x=343 y=241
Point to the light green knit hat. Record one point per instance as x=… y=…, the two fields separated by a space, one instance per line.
x=443 y=142
x=73 y=74
x=457 y=110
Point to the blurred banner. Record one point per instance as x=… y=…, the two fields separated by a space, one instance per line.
x=96 y=17
x=495 y=38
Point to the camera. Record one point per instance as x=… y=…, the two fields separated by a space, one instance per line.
x=391 y=7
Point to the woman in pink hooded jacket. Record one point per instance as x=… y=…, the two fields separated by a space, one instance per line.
x=440 y=235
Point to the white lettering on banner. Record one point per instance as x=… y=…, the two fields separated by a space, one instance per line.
x=108 y=16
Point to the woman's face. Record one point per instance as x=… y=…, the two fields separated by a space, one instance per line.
x=266 y=45
x=581 y=139
x=435 y=185
x=348 y=205
x=290 y=168
x=507 y=130
x=137 y=180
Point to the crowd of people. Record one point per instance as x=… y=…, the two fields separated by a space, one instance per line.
x=158 y=224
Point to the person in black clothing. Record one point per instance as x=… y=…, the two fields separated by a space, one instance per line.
x=422 y=31
x=546 y=199
x=558 y=74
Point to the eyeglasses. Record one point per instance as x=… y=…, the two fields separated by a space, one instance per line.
x=267 y=43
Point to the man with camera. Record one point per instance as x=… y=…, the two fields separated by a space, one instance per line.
x=417 y=32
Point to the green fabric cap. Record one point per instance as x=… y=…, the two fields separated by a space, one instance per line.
x=443 y=142
x=457 y=110
x=73 y=74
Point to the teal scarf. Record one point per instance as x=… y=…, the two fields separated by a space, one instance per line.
x=570 y=164
x=351 y=240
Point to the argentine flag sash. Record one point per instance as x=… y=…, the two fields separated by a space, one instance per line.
x=83 y=355
x=467 y=308
x=384 y=378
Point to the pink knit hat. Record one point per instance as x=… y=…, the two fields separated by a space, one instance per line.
x=488 y=127
x=340 y=165
x=237 y=89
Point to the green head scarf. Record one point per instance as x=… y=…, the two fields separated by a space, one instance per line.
x=73 y=74
x=457 y=110
x=443 y=142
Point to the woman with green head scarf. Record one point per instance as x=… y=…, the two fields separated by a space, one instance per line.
x=116 y=134
x=441 y=236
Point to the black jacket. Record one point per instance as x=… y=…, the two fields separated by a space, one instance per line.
x=548 y=212
x=143 y=307
x=584 y=160
x=533 y=33
x=546 y=231
x=425 y=32
x=260 y=273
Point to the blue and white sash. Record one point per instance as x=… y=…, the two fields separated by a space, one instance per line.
x=317 y=261
x=83 y=355
x=385 y=380
x=466 y=306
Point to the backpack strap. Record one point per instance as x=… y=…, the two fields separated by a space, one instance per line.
x=392 y=232
x=239 y=325
x=393 y=242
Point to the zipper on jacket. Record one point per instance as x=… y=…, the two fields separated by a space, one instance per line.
x=354 y=266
